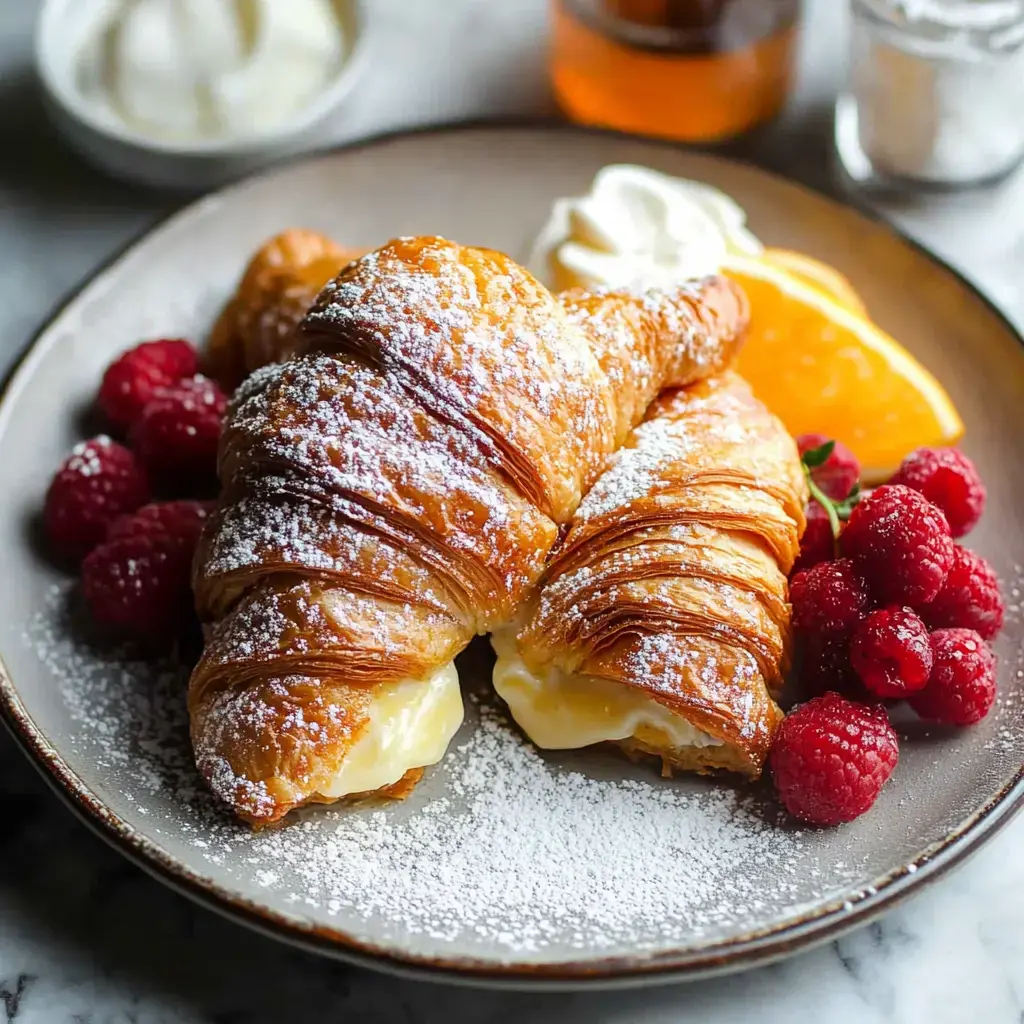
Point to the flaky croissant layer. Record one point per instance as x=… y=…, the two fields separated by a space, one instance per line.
x=257 y=326
x=663 y=622
x=396 y=486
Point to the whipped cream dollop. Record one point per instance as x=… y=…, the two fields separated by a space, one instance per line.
x=190 y=70
x=638 y=228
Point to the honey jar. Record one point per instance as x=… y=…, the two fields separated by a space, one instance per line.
x=691 y=70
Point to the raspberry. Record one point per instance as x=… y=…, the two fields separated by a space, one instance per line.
x=176 y=436
x=837 y=475
x=901 y=543
x=825 y=665
x=969 y=598
x=138 y=586
x=132 y=379
x=137 y=580
x=829 y=598
x=950 y=481
x=99 y=481
x=181 y=520
x=962 y=686
x=891 y=652
x=831 y=759
x=817 y=544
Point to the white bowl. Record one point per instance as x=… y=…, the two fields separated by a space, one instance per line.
x=118 y=149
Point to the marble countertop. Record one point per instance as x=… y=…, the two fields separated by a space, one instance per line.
x=87 y=937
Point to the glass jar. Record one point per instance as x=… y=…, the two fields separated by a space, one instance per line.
x=935 y=95
x=692 y=70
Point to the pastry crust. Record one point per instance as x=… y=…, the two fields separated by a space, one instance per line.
x=672 y=577
x=397 y=485
x=705 y=760
x=257 y=324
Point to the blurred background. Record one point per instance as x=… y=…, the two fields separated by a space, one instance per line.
x=99 y=113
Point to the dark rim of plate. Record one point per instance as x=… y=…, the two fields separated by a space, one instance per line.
x=752 y=948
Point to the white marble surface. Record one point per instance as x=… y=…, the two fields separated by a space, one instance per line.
x=86 y=937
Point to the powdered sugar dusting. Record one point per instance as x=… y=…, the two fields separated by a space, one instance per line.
x=85 y=458
x=321 y=439
x=634 y=472
x=501 y=851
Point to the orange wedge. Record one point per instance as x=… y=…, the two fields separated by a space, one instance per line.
x=823 y=369
x=819 y=275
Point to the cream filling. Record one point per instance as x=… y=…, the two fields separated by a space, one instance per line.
x=560 y=711
x=411 y=724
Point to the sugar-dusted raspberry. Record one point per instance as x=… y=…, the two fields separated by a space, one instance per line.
x=137 y=580
x=181 y=520
x=131 y=380
x=139 y=586
x=99 y=481
x=962 y=686
x=176 y=436
x=831 y=759
x=817 y=544
x=970 y=597
x=829 y=598
x=891 y=652
x=838 y=474
x=900 y=543
x=950 y=481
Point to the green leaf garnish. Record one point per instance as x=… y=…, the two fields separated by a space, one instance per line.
x=837 y=510
x=815 y=457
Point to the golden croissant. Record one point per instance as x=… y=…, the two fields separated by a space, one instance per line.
x=663 y=623
x=395 y=488
x=257 y=325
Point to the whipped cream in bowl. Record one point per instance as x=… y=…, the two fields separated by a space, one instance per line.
x=637 y=228
x=192 y=70
x=190 y=93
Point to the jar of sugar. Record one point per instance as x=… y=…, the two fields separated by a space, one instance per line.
x=935 y=93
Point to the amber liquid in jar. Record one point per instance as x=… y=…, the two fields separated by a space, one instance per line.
x=693 y=70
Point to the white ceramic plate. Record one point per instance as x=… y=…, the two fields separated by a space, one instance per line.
x=505 y=866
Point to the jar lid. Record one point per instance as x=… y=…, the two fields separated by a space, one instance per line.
x=989 y=24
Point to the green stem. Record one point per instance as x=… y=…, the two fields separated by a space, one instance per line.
x=826 y=503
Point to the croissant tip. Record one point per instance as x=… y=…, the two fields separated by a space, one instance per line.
x=250 y=800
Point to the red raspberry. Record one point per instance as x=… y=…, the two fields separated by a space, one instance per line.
x=817 y=544
x=831 y=759
x=99 y=481
x=962 y=687
x=138 y=586
x=182 y=520
x=838 y=474
x=825 y=665
x=969 y=598
x=828 y=598
x=950 y=481
x=176 y=436
x=137 y=580
x=901 y=543
x=891 y=652
x=132 y=379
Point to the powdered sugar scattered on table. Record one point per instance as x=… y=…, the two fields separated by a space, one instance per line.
x=502 y=850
